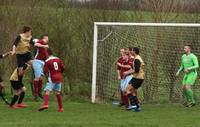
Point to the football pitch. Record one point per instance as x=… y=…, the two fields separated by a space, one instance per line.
x=85 y=114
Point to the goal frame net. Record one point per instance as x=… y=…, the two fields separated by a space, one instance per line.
x=95 y=43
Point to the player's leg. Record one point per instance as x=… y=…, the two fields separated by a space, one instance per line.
x=136 y=83
x=37 y=73
x=191 y=78
x=41 y=81
x=123 y=88
x=1 y=91
x=40 y=87
x=129 y=93
x=15 y=86
x=136 y=100
x=48 y=89
x=57 y=89
x=22 y=60
x=122 y=101
x=21 y=97
x=45 y=104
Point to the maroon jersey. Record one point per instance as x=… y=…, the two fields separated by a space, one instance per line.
x=41 y=53
x=124 y=62
x=120 y=60
x=54 y=67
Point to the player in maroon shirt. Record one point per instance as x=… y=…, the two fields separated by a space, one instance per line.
x=38 y=64
x=124 y=64
x=53 y=69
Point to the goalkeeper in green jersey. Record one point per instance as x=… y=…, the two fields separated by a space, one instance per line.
x=189 y=65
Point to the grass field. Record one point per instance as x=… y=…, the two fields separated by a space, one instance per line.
x=84 y=114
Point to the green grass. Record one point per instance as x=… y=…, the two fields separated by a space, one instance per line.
x=100 y=115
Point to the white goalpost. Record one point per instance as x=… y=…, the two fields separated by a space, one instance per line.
x=156 y=40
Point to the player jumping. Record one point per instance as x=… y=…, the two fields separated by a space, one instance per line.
x=189 y=64
x=21 y=48
x=38 y=64
x=53 y=69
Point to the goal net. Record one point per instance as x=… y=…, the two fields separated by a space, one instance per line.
x=161 y=47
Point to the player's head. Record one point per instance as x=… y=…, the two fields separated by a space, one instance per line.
x=122 y=51
x=125 y=55
x=49 y=51
x=27 y=30
x=45 y=38
x=130 y=49
x=136 y=51
x=187 y=48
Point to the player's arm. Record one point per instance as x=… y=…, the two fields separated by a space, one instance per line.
x=40 y=45
x=126 y=66
x=131 y=71
x=118 y=69
x=180 y=69
x=5 y=54
x=16 y=42
x=195 y=64
x=136 y=69
x=123 y=66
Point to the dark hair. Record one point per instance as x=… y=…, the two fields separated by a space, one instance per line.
x=50 y=52
x=44 y=35
x=136 y=50
x=188 y=45
x=130 y=48
x=26 y=29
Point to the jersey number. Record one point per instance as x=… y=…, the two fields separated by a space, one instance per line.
x=55 y=64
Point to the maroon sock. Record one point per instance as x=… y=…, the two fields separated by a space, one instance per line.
x=35 y=84
x=125 y=100
x=59 y=99
x=46 y=99
x=40 y=86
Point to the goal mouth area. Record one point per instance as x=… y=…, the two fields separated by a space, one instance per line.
x=161 y=46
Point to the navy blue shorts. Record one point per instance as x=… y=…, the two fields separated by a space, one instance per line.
x=22 y=59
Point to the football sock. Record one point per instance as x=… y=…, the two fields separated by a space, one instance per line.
x=185 y=95
x=35 y=84
x=122 y=98
x=136 y=101
x=40 y=88
x=46 y=99
x=190 y=95
x=21 y=97
x=125 y=100
x=59 y=99
x=131 y=98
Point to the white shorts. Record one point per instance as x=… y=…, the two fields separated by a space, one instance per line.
x=124 y=82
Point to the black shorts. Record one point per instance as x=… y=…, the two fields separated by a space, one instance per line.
x=22 y=59
x=17 y=85
x=136 y=83
x=1 y=80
